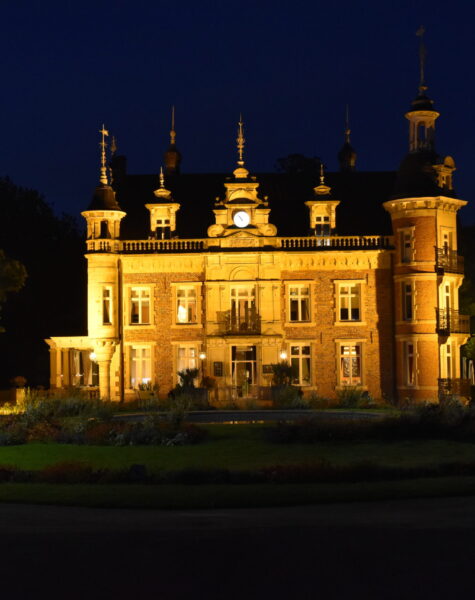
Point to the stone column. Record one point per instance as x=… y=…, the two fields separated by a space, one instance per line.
x=104 y=350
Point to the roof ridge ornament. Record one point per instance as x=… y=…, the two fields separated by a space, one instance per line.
x=240 y=141
x=241 y=172
x=103 y=144
x=322 y=189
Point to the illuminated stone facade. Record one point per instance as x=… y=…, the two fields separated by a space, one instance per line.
x=377 y=311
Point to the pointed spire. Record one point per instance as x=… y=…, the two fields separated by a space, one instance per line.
x=103 y=145
x=162 y=179
x=347 y=155
x=240 y=141
x=422 y=59
x=172 y=130
x=347 y=125
x=113 y=145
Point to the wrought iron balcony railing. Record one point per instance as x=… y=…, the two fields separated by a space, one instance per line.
x=448 y=261
x=454 y=387
x=451 y=321
x=232 y=323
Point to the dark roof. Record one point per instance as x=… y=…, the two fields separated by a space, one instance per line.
x=360 y=212
x=422 y=102
x=417 y=177
x=104 y=199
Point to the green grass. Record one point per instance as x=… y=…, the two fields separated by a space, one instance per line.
x=240 y=447
x=236 y=447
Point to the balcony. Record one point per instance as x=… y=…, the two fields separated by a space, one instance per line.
x=232 y=323
x=451 y=321
x=454 y=387
x=448 y=261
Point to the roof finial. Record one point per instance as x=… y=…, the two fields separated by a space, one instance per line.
x=162 y=179
x=240 y=142
x=422 y=58
x=172 y=131
x=103 y=145
x=113 y=145
x=322 y=176
x=347 y=125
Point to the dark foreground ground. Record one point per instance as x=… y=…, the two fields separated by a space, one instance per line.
x=404 y=549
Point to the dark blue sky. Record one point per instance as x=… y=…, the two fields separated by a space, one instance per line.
x=289 y=67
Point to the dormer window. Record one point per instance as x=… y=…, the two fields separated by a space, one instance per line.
x=322 y=226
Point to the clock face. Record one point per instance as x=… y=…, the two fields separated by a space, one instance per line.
x=241 y=218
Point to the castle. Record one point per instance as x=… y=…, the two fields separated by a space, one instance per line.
x=376 y=309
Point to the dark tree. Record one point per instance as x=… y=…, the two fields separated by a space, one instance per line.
x=52 y=301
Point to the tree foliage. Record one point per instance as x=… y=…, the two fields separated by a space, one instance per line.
x=12 y=277
x=52 y=300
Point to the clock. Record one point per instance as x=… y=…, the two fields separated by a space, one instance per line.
x=241 y=218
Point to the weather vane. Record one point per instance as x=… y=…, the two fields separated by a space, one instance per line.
x=240 y=142
x=103 y=145
x=347 y=123
x=422 y=57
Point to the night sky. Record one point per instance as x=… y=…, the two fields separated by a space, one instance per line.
x=289 y=67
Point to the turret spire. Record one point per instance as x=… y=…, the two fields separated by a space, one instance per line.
x=240 y=141
x=347 y=154
x=103 y=145
x=172 y=131
x=347 y=125
x=422 y=58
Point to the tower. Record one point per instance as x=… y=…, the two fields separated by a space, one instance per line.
x=103 y=219
x=172 y=157
x=163 y=212
x=427 y=270
x=322 y=209
x=241 y=213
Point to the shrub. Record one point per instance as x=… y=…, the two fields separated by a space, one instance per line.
x=350 y=396
x=286 y=396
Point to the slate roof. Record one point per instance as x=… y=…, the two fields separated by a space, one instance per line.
x=360 y=212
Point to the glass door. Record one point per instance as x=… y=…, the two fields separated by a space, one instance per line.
x=243 y=368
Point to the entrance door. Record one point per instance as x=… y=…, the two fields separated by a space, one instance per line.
x=243 y=366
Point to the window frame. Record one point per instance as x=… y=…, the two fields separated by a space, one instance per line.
x=186 y=346
x=406 y=252
x=140 y=322
x=177 y=285
x=349 y=283
x=107 y=300
x=300 y=356
x=301 y=299
x=342 y=381
x=407 y=291
x=147 y=379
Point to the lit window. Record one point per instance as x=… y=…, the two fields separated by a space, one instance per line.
x=322 y=226
x=140 y=366
x=349 y=301
x=186 y=305
x=407 y=302
x=299 y=303
x=350 y=364
x=187 y=358
x=139 y=306
x=106 y=306
x=409 y=363
x=300 y=363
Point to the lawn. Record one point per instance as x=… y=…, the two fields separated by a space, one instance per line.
x=240 y=447
x=235 y=447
